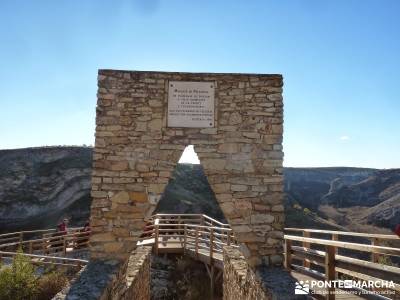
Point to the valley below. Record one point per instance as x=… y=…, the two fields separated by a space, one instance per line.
x=40 y=186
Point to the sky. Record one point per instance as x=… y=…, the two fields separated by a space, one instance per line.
x=340 y=61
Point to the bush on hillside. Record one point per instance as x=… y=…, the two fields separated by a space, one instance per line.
x=50 y=284
x=18 y=281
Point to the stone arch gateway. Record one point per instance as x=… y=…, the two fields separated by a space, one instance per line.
x=140 y=136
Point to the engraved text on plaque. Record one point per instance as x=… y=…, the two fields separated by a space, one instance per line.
x=190 y=104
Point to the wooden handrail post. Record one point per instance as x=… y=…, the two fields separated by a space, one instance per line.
x=179 y=227
x=306 y=262
x=335 y=237
x=64 y=246
x=330 y=273
x=44 y=247
x=156 y=236
x=375 y=256
x=197 y=242
x=202 y=220
x=30 y=247
x=288 y=254
x=21 y=237
x=228 y=237
x=184 y=238
x=211 y=243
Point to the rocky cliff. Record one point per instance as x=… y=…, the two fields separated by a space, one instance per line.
x=309 y=185
x=378 y=187
x=38 y=186
x=188 y=191
x=377 y=198
x=347 y=196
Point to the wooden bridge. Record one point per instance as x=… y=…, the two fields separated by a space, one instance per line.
x=195 y=235
x=310 y=254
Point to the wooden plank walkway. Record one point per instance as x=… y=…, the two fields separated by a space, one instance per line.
x=197 y=236
x=173 y=245
x=204 y=256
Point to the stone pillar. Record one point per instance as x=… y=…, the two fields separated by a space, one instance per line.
x=135 y=154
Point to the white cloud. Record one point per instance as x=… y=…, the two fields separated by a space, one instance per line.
x=344 y=138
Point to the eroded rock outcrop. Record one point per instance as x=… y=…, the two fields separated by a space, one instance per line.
x=38 y=186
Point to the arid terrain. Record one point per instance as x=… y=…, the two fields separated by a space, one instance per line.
x=39 y=186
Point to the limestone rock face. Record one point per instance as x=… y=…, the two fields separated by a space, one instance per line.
x=310 y=185
x=377 y=188
x=336 y=191
x=38 y=186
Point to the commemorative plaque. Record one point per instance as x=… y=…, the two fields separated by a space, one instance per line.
x=190 y=104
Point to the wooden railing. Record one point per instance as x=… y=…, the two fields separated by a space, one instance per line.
x=46 y=242
x=191 y=232
x=327 y=257
x=46 y=259
x=19 y=236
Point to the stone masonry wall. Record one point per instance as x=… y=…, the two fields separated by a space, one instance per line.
x=136 y=281
x=135 y=154
x=240 y=283
x=112 y=280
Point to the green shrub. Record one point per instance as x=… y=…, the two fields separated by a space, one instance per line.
x=385 y=260
x=18 y=281
x=50 y=284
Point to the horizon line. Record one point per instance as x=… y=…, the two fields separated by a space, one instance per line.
x=284 y=166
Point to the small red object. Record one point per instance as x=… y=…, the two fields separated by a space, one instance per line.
x=397 y=229
x=62 y=227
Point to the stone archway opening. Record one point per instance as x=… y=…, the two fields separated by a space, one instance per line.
x=188 y=194
x=188 y=190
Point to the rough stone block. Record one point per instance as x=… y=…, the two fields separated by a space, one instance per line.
x=228 y=148
x=121 y=197
x=262 y=218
